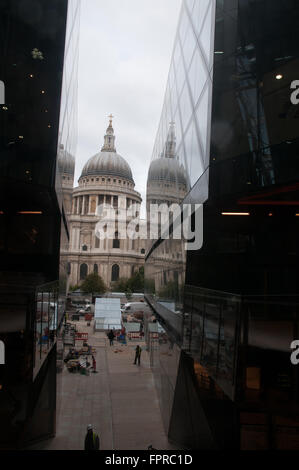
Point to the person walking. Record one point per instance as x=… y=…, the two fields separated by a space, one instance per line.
x=111 y=337
x=94 y=364
x=137 y=354
x=92 y=441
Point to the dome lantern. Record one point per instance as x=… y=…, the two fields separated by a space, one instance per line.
x=108 y=162
x=109 y=138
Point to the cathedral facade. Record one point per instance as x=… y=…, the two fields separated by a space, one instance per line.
x=106 y=182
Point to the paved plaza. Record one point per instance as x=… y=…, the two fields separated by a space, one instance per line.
x=120 y=401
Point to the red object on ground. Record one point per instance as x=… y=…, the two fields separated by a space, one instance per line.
x=81 y=336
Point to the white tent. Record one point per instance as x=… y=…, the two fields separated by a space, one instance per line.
x=107 y=314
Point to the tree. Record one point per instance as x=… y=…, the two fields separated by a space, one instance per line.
x=93 y=284
x=133 y=284
x=121 y=285
x=73 y=288
x=149 y=286
x=128 y=294
x=172 y=291
x=136 y=282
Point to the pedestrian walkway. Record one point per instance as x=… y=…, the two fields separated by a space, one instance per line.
x=120 y=401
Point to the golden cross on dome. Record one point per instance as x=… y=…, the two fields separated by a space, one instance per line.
x=110 y=117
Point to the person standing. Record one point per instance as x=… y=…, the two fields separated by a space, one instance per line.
x=111 y=337
x=137 y=354
x=92 y=441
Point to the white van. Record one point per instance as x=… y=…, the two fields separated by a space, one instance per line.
x=132 y=307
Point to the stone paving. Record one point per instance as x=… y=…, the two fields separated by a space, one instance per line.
x=120 y=401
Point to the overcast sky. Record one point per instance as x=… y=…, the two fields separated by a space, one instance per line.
x=125 y=52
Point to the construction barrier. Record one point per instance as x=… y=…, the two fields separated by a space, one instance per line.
x=81 y=337
x=154 y=335
x=135 y=335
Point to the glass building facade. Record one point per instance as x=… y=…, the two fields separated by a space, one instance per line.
x=228 y=139
x=38 y=74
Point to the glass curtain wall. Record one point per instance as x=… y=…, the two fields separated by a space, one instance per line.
x=180 y=157
x=181 y=150
x=229 y=127
x=34 y=48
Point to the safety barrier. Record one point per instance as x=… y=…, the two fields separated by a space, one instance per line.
x=81 y=336
x=134 y=335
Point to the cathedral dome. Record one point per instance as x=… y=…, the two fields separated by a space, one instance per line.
x=66 y=162
x=166 y=170
x=108 y=162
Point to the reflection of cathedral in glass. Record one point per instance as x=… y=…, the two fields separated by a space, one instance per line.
x=167 y=179
x=167 y=184
x=66 y=165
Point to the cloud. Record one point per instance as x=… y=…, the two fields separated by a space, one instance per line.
x=125 y=53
